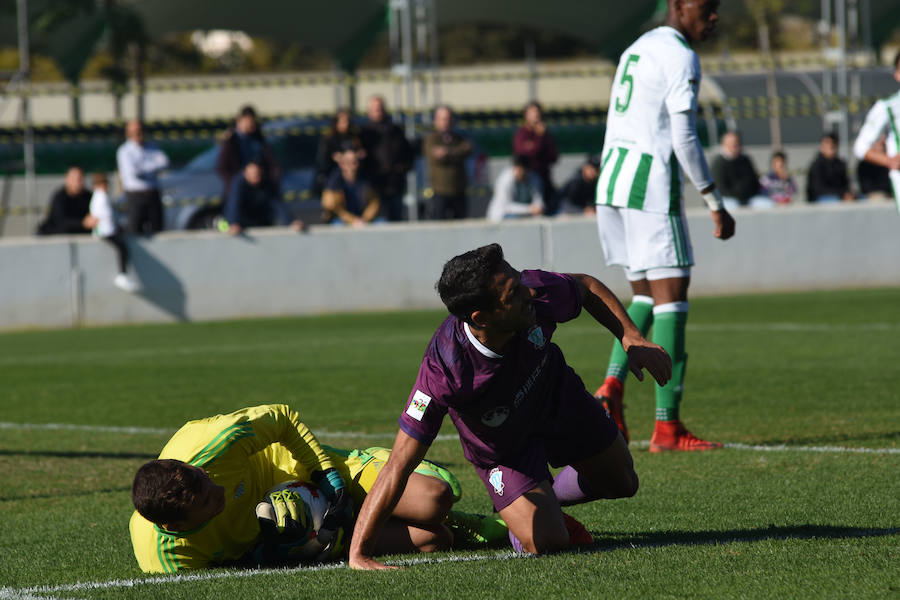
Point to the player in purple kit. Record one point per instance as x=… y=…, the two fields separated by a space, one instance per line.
x=516 y=403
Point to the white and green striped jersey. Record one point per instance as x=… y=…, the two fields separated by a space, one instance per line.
x=883 y=117
x=658 y=75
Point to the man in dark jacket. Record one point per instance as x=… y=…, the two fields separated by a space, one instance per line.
x=734 y=173
x=389 y=157
x=242 y=144
x=827 y=180
x=253 y=201
x=69 y=206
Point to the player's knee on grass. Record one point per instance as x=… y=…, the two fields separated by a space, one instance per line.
x=627 y=485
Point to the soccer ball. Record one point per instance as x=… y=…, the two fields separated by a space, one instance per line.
x=314 y=504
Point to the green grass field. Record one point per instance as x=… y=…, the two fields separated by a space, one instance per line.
x=803 y=503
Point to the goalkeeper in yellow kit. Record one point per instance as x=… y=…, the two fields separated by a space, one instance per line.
x=196 y=504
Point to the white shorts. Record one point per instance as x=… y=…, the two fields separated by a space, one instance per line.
x=642 y=241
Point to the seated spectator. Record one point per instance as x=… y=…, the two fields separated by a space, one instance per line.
x=348 y=199
x=253 y=201
x=341 y=136
x=875 y=180
x=446 y=152
x=69 y=205
x=827 y=179
x=579 y=193
x=244 y=143
x=517 y=193
x=735 y=175
x=102 y=220
x=778 y=184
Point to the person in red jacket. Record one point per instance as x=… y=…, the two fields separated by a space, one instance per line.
x=534 y=142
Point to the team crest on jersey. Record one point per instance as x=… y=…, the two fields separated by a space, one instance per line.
x=416 y=408
x=536 y=337
x=496 y=416
x=239 y=490
x=496 y=479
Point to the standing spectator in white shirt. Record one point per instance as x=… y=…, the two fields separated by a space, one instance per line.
x=139 y=165
x=103 y=222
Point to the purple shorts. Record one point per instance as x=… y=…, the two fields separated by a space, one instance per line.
x=581 y=428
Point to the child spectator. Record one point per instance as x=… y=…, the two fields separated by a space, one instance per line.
x=778 y=184
x=103 y=223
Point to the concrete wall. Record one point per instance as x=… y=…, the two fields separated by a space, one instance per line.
x=68 y=281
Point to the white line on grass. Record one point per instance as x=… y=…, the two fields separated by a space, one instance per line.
x=34 y=592
x=322 y=433
x=6 y=592
x=787 y=448
x=326 y=434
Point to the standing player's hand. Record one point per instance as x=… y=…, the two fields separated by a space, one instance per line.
x=724 y=224
x=647 y=355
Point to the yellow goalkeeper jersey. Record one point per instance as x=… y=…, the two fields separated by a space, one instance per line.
x=247 y=452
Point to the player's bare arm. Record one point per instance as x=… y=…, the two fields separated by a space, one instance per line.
x=381 y=500
x=605 y=307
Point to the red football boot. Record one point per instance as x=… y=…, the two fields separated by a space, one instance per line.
x=611 y=393
x=671 y=435
x=578 y=534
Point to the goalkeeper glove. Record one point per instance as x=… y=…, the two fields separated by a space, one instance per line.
x=285 y=525
x=338 y=519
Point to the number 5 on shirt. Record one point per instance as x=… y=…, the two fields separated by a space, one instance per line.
x=628 y=80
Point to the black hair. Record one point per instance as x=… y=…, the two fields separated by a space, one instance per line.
x=247 y=111
x=466 y=283
x=163 y=491
x=779 y=154
x=520 y=161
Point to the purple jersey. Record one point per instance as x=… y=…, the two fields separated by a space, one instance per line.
x=498 y=403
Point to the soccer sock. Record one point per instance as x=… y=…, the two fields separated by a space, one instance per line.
x=641 y=312
x=668 y=331
x=571 y=488
x=516 y=544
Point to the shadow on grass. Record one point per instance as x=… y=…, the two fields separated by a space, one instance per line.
x=830 y=439
x=697 y=538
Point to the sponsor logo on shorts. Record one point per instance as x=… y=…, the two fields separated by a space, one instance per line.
x=536 y=337
x=496 y=416
x=496 y=479
x=416 y=408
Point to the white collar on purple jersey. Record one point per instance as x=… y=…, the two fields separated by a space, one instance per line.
x=478 y=345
